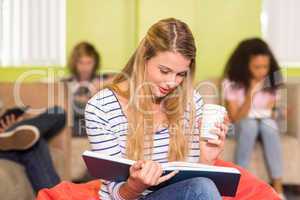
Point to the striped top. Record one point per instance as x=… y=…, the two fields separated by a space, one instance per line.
x=107 y=127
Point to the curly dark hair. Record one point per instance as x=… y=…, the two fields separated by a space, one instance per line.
x=237 y=67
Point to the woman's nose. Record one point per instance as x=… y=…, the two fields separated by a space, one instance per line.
x=171 y=81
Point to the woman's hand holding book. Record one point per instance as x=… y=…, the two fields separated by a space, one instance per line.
x=143 y=174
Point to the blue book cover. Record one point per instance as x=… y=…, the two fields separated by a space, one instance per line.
x=117 y=169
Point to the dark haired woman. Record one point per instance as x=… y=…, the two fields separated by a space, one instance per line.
x=252 y=77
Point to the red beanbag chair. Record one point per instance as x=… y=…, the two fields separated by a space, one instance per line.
x=71 y=191
x=250 y=188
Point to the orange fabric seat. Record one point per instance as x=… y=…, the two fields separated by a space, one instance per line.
x=250 y=188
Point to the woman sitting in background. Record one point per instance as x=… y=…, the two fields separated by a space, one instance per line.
x=252 y=77
x=84 y=63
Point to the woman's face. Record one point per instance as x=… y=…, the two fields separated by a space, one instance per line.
x=259 y=67
x=166 y=71
x=84 y=67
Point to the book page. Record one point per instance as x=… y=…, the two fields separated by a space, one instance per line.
x=197 y=167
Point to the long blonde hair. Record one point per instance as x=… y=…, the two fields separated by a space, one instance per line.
x=165 y=35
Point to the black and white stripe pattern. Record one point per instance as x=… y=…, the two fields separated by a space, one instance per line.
x=107 y=127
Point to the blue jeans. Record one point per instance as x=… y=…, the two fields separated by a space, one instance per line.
x=191 y=189
x=37 y=160
x=248 y=131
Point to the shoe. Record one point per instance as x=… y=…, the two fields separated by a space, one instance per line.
x=282 y=196
x=21 y=138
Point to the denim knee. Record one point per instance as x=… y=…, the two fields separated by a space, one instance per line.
x=202 y=187
x=269 y=126
x=247 y=122
x=201 y=182
x=57 y=110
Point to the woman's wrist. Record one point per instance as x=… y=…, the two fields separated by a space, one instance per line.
x=128 y=190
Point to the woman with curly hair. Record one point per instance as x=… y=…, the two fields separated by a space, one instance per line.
x=252 y=77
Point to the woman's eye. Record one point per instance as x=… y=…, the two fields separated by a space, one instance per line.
x=182 y=74
x=164 y=72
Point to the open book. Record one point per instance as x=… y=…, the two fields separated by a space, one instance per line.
x=117 y=169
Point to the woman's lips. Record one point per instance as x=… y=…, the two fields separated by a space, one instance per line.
x=163 y=90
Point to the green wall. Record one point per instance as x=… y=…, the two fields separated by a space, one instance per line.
x=30 y=74
x=110 y=25
x=217 y=26
x=116 y=26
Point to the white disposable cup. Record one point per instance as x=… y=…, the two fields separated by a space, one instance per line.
x=212 y=114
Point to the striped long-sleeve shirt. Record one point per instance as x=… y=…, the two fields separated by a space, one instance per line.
x=107 y=127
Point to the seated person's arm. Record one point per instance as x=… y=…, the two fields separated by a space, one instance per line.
x=236 y=112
